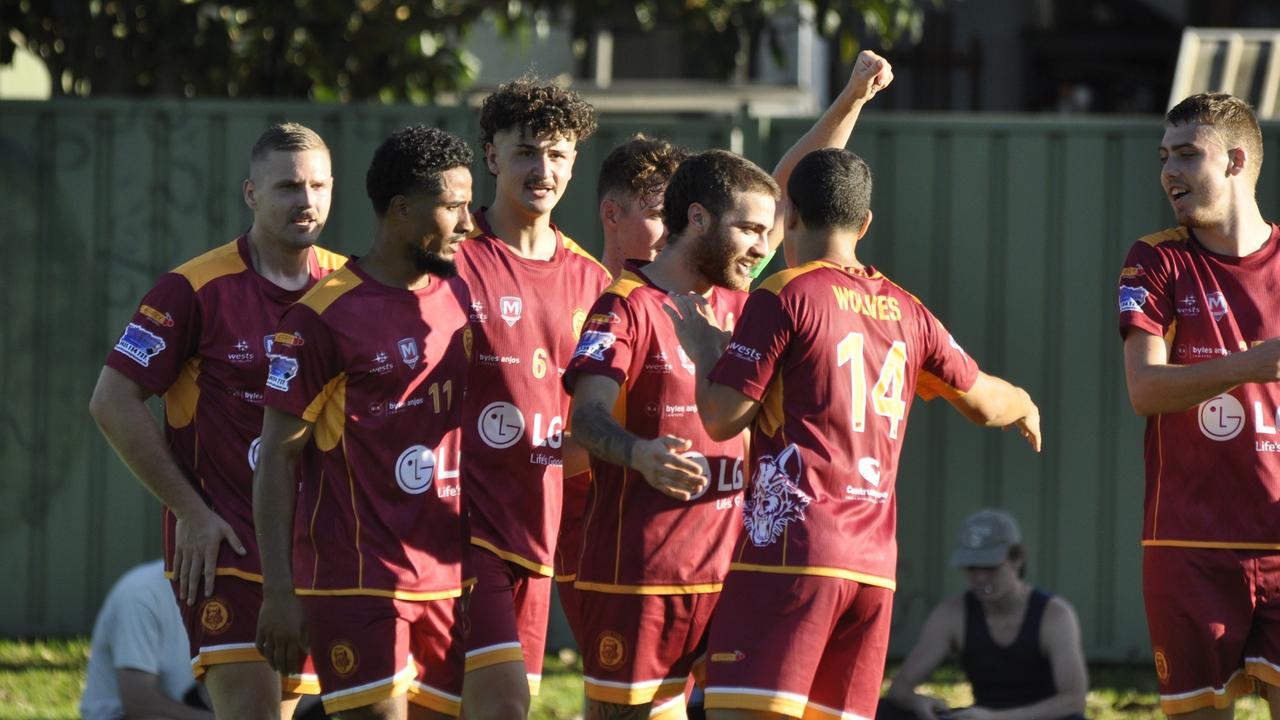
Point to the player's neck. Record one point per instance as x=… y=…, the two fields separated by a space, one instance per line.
x=612 y=259
x=833 y=246
x=286 y=267
x=390 y=264
x=1011 y=605
x=673 y=271
x=1243 y=233
x=529 y=236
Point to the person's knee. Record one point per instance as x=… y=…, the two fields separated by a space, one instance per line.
x=497 y=692
x=244 y=690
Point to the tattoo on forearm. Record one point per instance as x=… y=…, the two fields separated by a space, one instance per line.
x=596 y=430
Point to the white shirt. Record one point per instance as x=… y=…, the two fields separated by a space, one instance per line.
x=139 y=627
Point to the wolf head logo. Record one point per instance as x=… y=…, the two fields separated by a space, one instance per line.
x=776 y=498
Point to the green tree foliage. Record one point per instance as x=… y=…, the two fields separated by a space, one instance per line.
x=374 y=49
x=322 y=49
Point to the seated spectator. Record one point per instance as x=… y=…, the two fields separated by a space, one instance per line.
x=139 y=666
x=1019 y=646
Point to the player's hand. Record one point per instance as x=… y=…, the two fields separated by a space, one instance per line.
x=1264 y=361
x=871 y=74
x=662 y=465
x=1029 y=424
x=196 y=542
x=696 y=327
x=282 y=632
x=927 y=708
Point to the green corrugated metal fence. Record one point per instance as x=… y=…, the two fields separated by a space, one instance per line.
x=1011 y=229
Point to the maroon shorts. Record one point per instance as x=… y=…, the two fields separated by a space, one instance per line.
x=798 y=645
x=1214 y=619
x=221 y=629
x=642 y=648
x=368 y=649
x=508 y=612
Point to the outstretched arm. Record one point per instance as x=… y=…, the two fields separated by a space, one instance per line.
x=1156 y=386
x=993 y=402
x=871 y=74
x=282 y=635
x=658 y=459
x=119 y=407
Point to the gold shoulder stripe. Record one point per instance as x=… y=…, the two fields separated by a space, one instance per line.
x=625 y=284
x=775 y=282
x=200 y=270
x=1178 y=234
x=329 y=289
x=577 y=249
x=330 y=260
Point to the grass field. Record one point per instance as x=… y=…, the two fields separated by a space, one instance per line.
x=41 y=680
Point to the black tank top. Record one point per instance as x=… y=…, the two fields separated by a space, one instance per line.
x=1011 y=676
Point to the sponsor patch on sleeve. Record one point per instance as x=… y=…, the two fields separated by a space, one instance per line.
x=743 y=352
x=594 y=343
x=140 y=344
x=163 y=319
x=1132 y=298
x=282 y=370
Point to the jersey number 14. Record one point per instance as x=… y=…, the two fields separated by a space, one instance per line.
x=886 y=394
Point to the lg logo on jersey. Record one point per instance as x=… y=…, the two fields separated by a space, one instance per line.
x=418 y=467
x=1223 y=418
x=502 y=425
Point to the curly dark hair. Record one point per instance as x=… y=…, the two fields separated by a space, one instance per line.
x=411 y=160
x=831 y=188
x=711 y=179
x=542 y=108
x=639 y=167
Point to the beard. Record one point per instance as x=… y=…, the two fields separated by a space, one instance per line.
x=714 y=256
x=431 y=261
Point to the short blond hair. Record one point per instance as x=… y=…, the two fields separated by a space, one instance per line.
x=288 y=137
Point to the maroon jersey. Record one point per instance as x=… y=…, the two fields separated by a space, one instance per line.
x=637 y=539
x=526 y=315
x=834 y=355
x=1213 y=471
x=380 y=371
x=202 y=339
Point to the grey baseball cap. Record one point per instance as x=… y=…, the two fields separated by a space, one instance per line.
x=985 y=538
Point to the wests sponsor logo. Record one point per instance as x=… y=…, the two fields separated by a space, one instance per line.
x=744 y=352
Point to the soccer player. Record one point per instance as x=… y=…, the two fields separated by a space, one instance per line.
x=202 y=338
x=531 y=287
x=665 y=497
x=1200 y=320
x=366 y=391
x=822 y=366
x=632 y=180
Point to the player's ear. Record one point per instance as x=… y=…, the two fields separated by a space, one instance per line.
x=247 y=190
x=491 y=158
x=1236 y=160
x=866 y=224
x=609 y=212
x=790 y=215
x=699 y=217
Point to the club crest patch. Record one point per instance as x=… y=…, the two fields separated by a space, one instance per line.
x=343 y=658
x=776 y=498
x=215 y=616
x=281 y=370
x=594 y=343
x=140 y=344
x=1132 y=298
x=611 y=650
